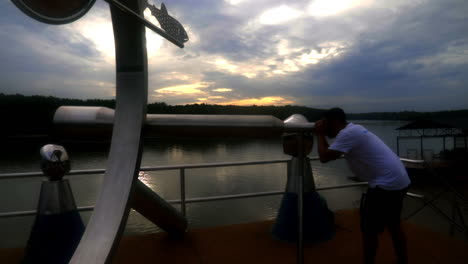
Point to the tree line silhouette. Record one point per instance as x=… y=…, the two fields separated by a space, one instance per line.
x=32 y=115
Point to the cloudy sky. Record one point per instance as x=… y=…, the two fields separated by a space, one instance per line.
x=362 y=55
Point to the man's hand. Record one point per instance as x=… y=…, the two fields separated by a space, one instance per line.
x=325 y=154
x=321 y=127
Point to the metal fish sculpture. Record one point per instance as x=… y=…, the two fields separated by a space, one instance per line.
x=168 y=23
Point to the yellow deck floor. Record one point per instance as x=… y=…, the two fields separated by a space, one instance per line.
x=252 y=243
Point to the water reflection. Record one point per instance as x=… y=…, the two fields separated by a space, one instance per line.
x=146 y=179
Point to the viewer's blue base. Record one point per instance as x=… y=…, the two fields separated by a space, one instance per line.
x=319 y=221
x=54 y=238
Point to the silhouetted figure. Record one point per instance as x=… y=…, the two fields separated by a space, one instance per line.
x=373 y=161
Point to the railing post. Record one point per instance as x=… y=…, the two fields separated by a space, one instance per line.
x=454 y=208
x=398 y=145
x=300 y=200
x=182 y=192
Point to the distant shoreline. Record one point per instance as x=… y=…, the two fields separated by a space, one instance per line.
x=27 y=115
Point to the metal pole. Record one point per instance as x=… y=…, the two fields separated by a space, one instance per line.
x=441 y=213
x=422 y=148
x=454 y=204
x=182 y=191
x=157 y=210
x=426 y=203
x=462 y=218
x=300 y=201
x=398 y=145
x=444 y=145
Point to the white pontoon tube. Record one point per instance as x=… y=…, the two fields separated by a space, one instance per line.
x=92 y=122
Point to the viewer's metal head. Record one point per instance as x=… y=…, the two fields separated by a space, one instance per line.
x=54 y=161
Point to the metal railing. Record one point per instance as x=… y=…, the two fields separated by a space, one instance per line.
x=182 y=168
x=183 y=200
x=446 y=186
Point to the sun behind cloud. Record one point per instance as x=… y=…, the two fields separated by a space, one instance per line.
x=279 y=15
x=184 y=89
x=99 y=31
x=269 y=100
x=323 y=8
x=234 y=2
x=222 y=90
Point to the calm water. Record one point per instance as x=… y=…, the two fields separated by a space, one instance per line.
x=23 y=194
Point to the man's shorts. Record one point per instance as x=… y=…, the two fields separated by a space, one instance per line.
x=380 y=209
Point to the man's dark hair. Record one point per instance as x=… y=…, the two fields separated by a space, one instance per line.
x=335 y=114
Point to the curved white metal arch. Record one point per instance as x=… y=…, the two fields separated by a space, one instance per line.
x=112 y=207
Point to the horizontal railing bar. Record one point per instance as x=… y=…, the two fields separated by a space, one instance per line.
x=86 y=172
x=213 y=165
x=18 y=213
x=413 y=161
x=333 y=187
x=20 y=175
x=168 y=167
x=34 y=212
x=342 y=186
x=415 y=195
x=154 y=168
x=214 y=198
x=226 y=197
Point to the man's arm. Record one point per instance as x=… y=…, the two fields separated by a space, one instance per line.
x=325 y=154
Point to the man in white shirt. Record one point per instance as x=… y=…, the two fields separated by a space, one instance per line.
x=373 y=161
